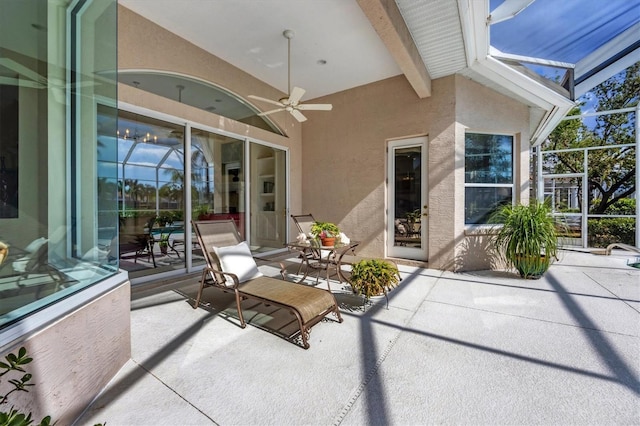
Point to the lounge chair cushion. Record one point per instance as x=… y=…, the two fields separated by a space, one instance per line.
x=237 y=260
x=36 y=252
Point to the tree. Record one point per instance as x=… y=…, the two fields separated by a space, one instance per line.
x=611 y=173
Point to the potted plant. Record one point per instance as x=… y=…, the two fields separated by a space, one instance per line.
x=413 y=220
x=327 y=232
x=373 y=277
x=164 y=219
x=202 y=212
x=528 y=237
x=163 y=243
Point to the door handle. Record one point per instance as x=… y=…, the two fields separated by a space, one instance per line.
x=426 y=212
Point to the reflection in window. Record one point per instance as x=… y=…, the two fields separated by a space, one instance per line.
x=150 y=192
x=57 y=201
x=218 y=179
x=488 y=175
x=199 y=94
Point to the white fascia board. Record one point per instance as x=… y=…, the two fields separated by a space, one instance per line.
x=556 y=105
x=474 y=19
x=520 y=84
x=548 y=124
x=508 y=9
x=475 y=28
x=529 y=59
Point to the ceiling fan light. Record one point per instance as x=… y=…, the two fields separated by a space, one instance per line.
x=292 y=103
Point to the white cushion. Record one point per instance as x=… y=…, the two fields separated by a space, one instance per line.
x=36 y=251
x=35 y=244
x=237 y=260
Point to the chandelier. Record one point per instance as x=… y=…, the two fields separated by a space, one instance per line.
x=145 y=138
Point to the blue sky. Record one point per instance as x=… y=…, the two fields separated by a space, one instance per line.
x=563 y=30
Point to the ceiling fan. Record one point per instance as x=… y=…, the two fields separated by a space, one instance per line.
x=292 y=102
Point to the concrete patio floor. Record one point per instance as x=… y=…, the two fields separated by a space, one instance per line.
x=467 y=348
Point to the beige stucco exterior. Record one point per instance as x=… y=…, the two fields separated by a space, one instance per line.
x=338 y=158
x=344 y=159
x=143 y=45
x=87 y=346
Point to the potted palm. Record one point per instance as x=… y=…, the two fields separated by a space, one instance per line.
x=327 y=232
x=373 y=277
x=528 y=238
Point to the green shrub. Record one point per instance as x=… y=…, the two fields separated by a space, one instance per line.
x=373 y=277
x=15 y=416
x=622 y=206
x=605 y=231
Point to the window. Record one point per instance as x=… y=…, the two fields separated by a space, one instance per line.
x=488 y=175
x=57 y=204
x=197 y=93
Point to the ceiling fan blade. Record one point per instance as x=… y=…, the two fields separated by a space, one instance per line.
x=258 y=98
x=316 y=107
x=11 y=81
x=296 y=95
x=22 y=70
x=271 y=112
x=298 y=115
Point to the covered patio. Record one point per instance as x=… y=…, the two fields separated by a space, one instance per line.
x=454 y=348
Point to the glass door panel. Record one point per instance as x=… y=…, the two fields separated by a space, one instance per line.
x=407 y=227
x=268 y=198
x=217 y=181
x=150 y=195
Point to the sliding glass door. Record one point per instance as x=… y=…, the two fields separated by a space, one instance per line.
x=151 y=195
x=217 y=180
x=224 y=180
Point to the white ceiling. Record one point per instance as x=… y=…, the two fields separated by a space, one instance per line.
x=248 y=34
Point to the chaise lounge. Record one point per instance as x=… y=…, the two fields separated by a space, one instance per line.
x=231 y=268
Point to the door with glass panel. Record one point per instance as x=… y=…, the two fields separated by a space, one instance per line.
x=268 y=198
x=407 y=199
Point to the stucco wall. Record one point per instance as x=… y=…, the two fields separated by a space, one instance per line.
x=75 y=357
x=480 y=109
x=143 y=45
x=338 y=157
x=344 y=159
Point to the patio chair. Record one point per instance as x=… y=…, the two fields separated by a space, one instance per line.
x=139 y=240
x=304 y=223
x=31 y=268
x=231 y=268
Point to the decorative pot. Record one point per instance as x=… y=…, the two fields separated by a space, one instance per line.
x=328 y=241
x=164 y=249
x=531 y=267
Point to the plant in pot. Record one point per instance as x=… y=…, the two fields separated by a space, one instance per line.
x=327 y=232
x=163 y=243
x=164 y=219
x=528 y=238
x=413 y=219
x=373 y=277
x=202 y=212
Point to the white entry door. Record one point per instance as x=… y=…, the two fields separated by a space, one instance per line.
x=407 y=199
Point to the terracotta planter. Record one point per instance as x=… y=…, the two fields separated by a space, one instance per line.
x=328 y=241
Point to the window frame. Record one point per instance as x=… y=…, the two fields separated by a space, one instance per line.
x=512 y=185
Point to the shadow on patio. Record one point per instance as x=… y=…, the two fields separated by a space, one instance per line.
x=451 y=348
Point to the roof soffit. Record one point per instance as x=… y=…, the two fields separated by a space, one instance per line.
x=392 y=30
